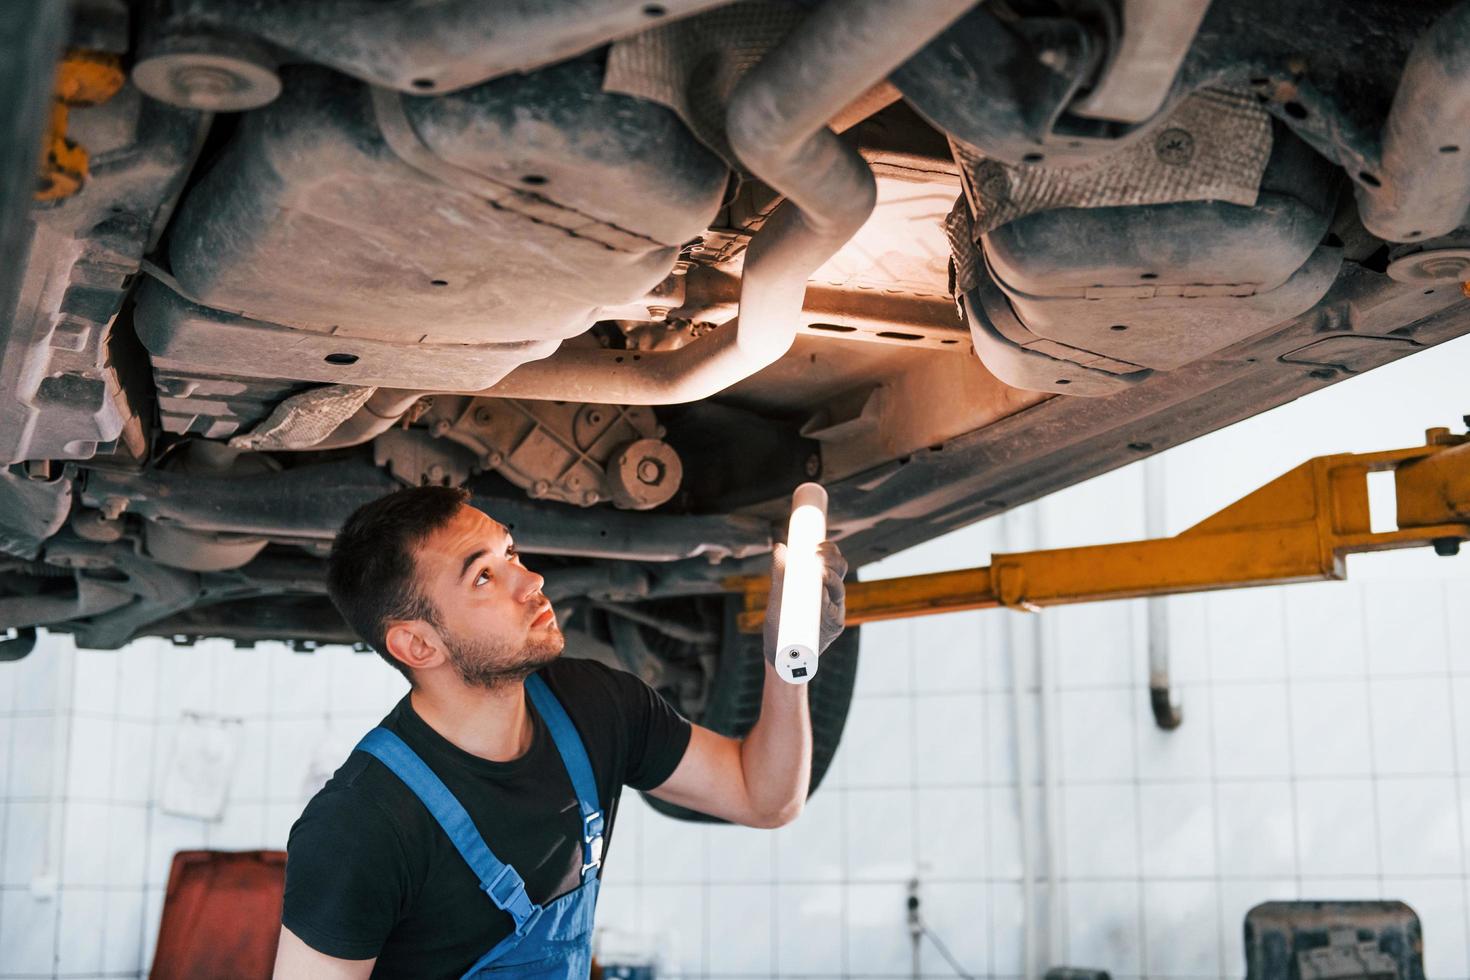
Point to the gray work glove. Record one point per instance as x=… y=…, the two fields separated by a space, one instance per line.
x=834 y=593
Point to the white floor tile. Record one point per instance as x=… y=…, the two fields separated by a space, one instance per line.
x=1325 y=630
x=950 y=740
x=1004 y=859
x=36 y=680
x=1096 y=644
x=152 y=918
x=957 y=913
x=673 y=917
x=885 y=653
x=879 y=834
x=1007 y=913
x=89 y=758
x=1419 y=826
x=878 y=742
x=1247 y=635
x=809 y=928
x=877 y=928
x=299 y=682
x=1251 y=738
x=33 y=756
x=7 y=740
x=949 y=653
x=1411 y=726
x=83 y=922
x=167 y=835
x=242 y=828
x=96 y=682
x=1178 y=822
x=1181 y=923
x=1336 y=828
x=1096 y=734
x=1440 y=905
x=1001 y=764
x=953 y=823
x=133 y=757
x=25 y=845
x=1401 y=639
x=1101 y=831
x=740 y=930
x=1457 y=619
x=126 y=832
x=28 y=933
x=1460 y=706
x=84 y=858
x=740 y=854
x=242 y=681
x=1256 y=827
x=1329 y=728
x=1103 y=928
x=1189 y=640
x=137 y=680
x=185 y=681
x=122 y=951
x=293 y=747
x=1184 y=753
x=810 y=848
x=680 y=856
x=1237 y=897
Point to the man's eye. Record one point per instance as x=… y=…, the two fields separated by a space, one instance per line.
x=483 y=576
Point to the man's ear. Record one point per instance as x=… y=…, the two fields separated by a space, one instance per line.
x=414 y=643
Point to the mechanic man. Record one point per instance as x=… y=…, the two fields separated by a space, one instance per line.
x=464 y=835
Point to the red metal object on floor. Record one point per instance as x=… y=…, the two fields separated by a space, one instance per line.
x=221 y=916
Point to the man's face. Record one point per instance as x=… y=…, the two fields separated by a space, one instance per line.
x=496 y=625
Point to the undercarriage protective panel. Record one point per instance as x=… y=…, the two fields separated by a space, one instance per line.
x=571 y=199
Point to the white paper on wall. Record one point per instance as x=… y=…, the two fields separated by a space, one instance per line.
x=201 y=766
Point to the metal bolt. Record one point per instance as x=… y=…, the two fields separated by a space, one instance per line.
x=440 y=428
x=493 y=459
x=650 y=471
x=207 y=82
x=658 y=312
x=540 y=488
x=794 y=654
x=436 y=472
x=590 y=497
x=113 y=507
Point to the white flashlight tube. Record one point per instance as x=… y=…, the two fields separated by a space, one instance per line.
x=798 y=632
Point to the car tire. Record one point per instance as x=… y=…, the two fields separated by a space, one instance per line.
x=733 y=702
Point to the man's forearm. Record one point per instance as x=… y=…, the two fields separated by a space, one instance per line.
x=776 y=755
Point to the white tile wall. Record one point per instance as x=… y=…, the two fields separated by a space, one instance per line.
x=1325 y=753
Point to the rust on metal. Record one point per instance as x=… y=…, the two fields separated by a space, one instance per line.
x=1300 y=527
x=83 y=78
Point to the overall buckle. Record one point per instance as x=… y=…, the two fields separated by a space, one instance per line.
x=592 y=826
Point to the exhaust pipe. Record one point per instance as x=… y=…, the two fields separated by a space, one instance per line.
x=777 y=126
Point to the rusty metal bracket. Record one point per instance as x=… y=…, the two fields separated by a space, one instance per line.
x=1300 y=527
x=83 y=78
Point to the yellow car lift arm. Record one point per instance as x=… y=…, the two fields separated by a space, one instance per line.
x=1299 y=527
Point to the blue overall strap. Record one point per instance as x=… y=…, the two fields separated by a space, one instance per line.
x=499 y=880
x=574 y=757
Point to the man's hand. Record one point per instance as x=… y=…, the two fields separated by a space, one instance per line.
x=834 y=594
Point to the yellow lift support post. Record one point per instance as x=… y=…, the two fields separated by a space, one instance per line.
x=1300 y=527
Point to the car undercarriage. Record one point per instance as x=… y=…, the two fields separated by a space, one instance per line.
x=631 y=272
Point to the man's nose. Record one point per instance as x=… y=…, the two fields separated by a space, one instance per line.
x=530 y=584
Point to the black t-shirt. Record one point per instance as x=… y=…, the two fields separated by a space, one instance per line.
x=370 y=873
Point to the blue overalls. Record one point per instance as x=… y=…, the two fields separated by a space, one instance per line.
x=550 y=942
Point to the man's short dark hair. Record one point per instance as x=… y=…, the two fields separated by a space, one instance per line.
x=372 y=575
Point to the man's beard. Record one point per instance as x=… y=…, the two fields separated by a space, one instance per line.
x=483 y=661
